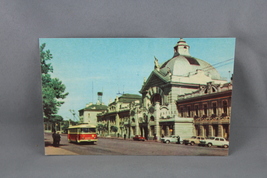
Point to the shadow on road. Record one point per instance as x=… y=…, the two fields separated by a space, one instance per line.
x=47 y=143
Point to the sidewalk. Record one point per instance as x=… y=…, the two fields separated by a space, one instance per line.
x=51 y=150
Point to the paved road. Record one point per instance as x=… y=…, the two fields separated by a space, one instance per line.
x=110 y=146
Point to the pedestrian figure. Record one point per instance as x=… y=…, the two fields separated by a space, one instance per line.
x=124 y=136
x=178 y=139
x=53 y=136
x=118 y=135
x=57 y=139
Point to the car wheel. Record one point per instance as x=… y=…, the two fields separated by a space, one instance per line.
x=192 y=143
x=209 y=145
x=225 y=146
x=168 y=141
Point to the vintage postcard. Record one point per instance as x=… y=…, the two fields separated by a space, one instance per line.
x=137 y=96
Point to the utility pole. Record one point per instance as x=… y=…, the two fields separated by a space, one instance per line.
x=73 y=113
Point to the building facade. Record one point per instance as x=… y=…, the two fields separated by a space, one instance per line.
x=89 y=113
x=164 y=94
x=210 y=108
x=117 y=115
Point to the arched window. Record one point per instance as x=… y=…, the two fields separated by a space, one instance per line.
x=156 y=98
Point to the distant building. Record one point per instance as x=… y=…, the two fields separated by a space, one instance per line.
x=89 y=113
x=118 y=114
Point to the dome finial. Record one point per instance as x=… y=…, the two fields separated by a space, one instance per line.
x=181 y=48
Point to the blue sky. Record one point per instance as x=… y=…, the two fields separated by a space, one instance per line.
x=112 y=65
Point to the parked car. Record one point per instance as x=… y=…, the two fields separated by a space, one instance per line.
x=214 y=141
x=193 y=140
x=139 y=138
x=172 y=138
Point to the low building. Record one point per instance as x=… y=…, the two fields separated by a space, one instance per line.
x=117 y=115
x=89 y=113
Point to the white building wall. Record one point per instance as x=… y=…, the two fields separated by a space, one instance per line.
x=184 y=127
x=90 y=117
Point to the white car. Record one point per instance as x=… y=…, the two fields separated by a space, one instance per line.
x=172 y=138
x=214 y=141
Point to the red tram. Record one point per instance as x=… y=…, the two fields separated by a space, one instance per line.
x=82 y=133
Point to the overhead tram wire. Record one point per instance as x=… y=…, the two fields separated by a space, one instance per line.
x=222 y=63
x=220 y=66
x=214 y=65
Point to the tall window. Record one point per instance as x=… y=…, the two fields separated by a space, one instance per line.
x=214 y=108
x=188 y=111
x=196 y=110
x=205 y=107
x=225 y=107
x=182 y=112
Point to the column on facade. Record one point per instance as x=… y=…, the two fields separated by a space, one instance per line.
x=108 y=126
x=117 y=120
x=211 y=131
x=157 y=116
x=137 y=128
x=220 y=130
x=201 y=130
x=220 y=108
x=168 y=130
x=149 y=130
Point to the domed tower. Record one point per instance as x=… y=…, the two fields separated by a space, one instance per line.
x=178 y=75
x=184 y=65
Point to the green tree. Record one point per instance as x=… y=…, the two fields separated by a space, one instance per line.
x=53 y=90
x=114 y=129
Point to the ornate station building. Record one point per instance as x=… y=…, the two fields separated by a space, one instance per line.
x=183 y=96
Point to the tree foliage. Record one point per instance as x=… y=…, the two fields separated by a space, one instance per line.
x=114 y=129
x=53 y=90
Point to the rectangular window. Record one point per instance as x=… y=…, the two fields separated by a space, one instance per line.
x=188 y=111
x=182 y=112
x=86 y=130
x=196 y=110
